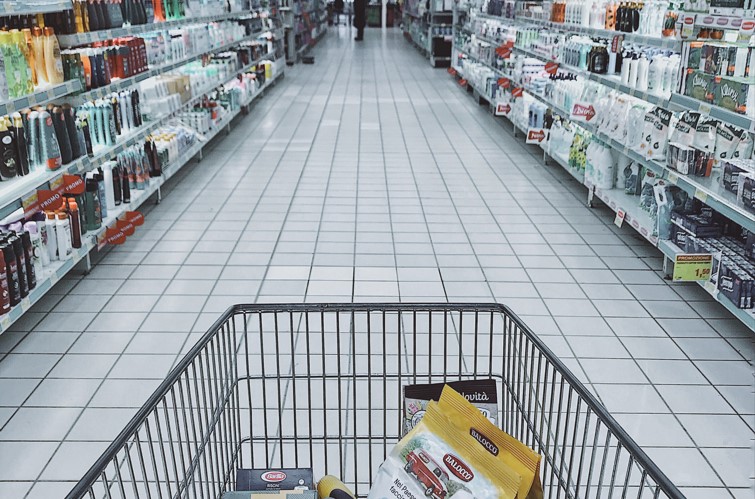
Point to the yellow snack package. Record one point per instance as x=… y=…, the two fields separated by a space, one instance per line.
x=435 y=461
x=505 y=448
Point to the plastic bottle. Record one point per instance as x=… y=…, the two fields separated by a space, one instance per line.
x=11 y=269
x=15 y=65
x=642 y=73
x=4 y=289
x=633 y=71
x=8 y=153
x=32 y=126
x=63 y=232
x=93 y=206
x=31 y=268
x=22 y=149
x=38 y=48
x=73 y=209
x=27 y=75
x=50 y=149
x=18 y=250
x=39 y=252
x=61 y=132
x=99 y=176
x=69 y=117
x=4 y=90
x=52 y=236
x=53 y=63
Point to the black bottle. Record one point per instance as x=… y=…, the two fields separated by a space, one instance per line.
x=18 y=249
x=70 y=120
x=11 y=268
x=22 y=148
x=117 y=189
x=126 y=196
x=95 y=21
x=31 y=275
x=61 y=132
x=8 y=153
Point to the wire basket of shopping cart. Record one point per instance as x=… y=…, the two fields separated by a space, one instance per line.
x=320 y=386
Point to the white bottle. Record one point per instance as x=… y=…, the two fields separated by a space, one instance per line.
x=45 y=253
x=107 y=173
x=52 y=238
x=626 y=68
x=643 y=67
x=63 y=228
x=633 y=70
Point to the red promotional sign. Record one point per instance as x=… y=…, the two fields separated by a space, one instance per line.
x=536 y=135
x=125 y=226
x=452 y=71
x=503 y=52
x=114 y=236
x=135 y=218
x=49 y=200
x=463 y=82
x=73 y=185
x=502 y=109
x=582 y=112
x=504 y=82
x=517 y=92
x=551 y=67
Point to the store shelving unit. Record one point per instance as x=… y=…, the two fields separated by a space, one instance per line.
x=430 y=31
x=138 y=197
x=22 y=7
x=14 y=191
x=706 y=189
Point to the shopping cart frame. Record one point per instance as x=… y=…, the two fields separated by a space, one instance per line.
x=144 y=459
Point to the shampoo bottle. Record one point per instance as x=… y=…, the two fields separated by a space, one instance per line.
x=11 y=270
x=18 y=249
x=21 y=145
x=63 y=231
x=8 y=153
x=50 y=149
x=4 y=289
x=52 y=236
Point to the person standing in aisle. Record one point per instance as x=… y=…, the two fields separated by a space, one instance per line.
x=360 y=18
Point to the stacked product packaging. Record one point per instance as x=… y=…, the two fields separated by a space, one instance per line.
x=452 y=446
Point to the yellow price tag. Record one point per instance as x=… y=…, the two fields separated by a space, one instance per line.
x=692 y=266
x=701 y=195
x=673 y=178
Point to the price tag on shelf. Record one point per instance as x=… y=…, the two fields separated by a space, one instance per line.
x=747 y=28
x=701 y=195
x=673 y=178
x=620 y=216
x=704 y=108
x=710 y=288
x=688 y=25
x=582 y=111
x=692 y=266
x=536 y=135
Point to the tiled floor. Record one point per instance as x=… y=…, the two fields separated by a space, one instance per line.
x=371 y=176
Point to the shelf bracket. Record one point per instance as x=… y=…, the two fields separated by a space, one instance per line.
x=159 y=198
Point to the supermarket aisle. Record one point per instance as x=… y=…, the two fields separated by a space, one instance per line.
x=371 y=176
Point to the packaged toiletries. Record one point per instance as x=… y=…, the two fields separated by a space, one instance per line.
x=63 y=231
x=733 y=95
x=481 y=392
x=52 y=235
x=5 y=305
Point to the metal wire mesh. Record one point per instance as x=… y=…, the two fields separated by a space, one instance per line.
x=321 y=386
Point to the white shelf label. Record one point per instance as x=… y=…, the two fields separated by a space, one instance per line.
x=620 y=216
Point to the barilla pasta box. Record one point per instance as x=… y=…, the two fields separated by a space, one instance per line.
x=271 y=494
x=275 y=479
x=482 y=393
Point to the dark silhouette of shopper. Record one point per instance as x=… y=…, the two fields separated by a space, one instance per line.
x=360 y=18
x=338 y=10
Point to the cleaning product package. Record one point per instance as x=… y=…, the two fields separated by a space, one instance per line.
x=436 y=460
x=481 y=392
x=510 y=451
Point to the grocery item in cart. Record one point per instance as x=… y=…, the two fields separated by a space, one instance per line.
x=510 y=451
x=482 y=393
x=275 y=479
x=437 y=461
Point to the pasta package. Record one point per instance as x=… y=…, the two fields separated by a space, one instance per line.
x=509 y=451
x=437 y=461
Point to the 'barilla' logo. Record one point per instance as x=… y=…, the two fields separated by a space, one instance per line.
x=458 y=468
x=489 y=446
x=273 y=476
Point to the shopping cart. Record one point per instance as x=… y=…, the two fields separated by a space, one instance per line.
x=321 y=386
